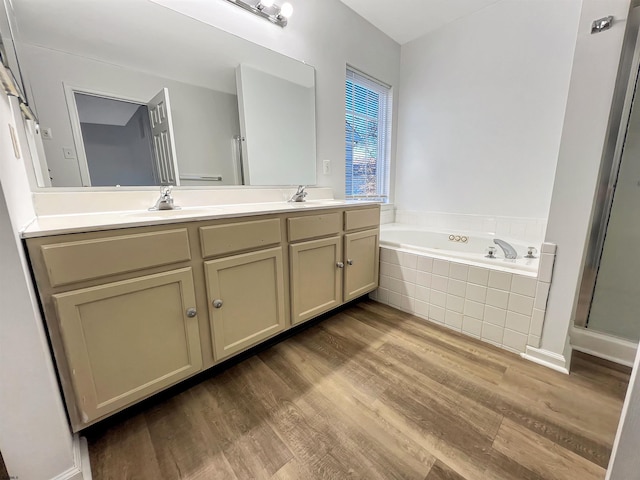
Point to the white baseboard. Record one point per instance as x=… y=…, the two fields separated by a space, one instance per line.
x=547 y=358
x=82 y=468
x=603 y=346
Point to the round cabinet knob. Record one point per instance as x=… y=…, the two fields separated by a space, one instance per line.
x=349 y=262
x=340 y=265
x=191 y=312
x=217 y=303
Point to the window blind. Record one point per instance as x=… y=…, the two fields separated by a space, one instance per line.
x=367 y=137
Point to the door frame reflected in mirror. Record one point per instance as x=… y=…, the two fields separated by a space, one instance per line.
x=163 y=174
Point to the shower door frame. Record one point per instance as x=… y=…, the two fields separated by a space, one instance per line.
x=627 y=85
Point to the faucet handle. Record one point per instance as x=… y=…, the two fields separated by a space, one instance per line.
x=165 y=191
x=531 y=252
x=490 y=252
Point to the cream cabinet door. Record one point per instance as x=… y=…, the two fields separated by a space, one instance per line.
x=316 y=277
x=361 y=255
x=127 y=340
x=246 y=299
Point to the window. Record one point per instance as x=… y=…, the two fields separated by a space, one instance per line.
x=368 y=137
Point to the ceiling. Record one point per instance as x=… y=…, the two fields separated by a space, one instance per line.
x=406 y=20
x=104 y=111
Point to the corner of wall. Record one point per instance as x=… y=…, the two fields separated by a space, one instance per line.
x=560 y=363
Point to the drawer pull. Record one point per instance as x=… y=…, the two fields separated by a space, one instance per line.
x=191 y=312
x=349 y=262
x=340 y=265
x=217 y=303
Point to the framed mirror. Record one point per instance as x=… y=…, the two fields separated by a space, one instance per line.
x=136 y=94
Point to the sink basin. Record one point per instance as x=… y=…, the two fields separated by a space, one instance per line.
x=183 y=212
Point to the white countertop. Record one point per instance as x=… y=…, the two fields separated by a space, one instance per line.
x=45 y=225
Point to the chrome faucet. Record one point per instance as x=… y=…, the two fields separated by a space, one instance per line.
x=509 y=251
x=165 y=202
x=299 y=195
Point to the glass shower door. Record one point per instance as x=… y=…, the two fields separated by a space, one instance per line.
x=615 y=308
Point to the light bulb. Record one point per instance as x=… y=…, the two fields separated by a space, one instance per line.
x=286 y=10
x=262 y=4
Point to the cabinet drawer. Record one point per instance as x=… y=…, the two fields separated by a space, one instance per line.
x=311 y=226
x=81 y=260
x=235 y=237
x=358 y=219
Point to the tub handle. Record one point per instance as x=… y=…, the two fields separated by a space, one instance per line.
x=349 y=262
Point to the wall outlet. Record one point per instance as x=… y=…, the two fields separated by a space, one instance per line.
x=326 y=167
x=46 y=133
x=69 y=153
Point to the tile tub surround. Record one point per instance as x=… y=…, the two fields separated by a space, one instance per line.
x=501 y=308
x=517 y=228
x=387 y=214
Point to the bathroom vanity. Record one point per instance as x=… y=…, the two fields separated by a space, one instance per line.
x=134 y=307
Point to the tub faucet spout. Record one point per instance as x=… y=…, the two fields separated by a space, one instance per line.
x=509 y=251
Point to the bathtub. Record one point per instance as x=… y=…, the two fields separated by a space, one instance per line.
x=445 y=278
x=469 y=248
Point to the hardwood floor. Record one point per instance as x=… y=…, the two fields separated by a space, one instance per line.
x=378 y=394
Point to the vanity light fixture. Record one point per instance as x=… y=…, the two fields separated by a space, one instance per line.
x=268 y=10
x=262 y=4
x=285 y=11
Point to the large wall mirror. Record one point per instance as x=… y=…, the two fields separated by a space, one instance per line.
x=131 y=93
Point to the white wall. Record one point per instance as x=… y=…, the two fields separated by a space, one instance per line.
x=35 y=439
x=482 y=102
x=327 y=35
x=593 y=78
x=205 y=120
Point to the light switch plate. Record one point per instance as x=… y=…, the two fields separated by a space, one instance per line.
x=326 y=167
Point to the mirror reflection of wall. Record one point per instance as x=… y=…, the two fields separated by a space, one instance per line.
x=196 y=69
x=277 y=114
x=205 y=120
x=116 y=141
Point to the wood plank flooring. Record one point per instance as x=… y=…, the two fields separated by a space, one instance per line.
x=374 y=393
